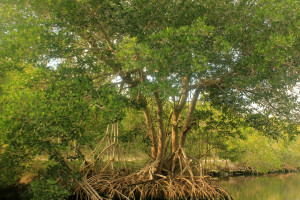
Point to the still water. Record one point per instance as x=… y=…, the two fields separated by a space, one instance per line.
x=268 y=187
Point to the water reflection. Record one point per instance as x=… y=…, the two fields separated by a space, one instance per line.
x=268 y=187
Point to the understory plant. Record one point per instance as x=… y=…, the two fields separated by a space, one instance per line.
x=264 y=154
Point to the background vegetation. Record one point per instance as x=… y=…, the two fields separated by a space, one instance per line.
x=92 y=85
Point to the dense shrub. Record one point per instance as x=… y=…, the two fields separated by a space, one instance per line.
x=264 y=154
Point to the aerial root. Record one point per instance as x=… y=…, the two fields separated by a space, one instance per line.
x=134 y=187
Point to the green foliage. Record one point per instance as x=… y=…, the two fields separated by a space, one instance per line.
x=291 y=153
x=251 y=48
x=262 y=153
x=133 y=135
x=14 y=150
x=43 y=111
x=212 y=126
x=103 y=55
x=271 y=126
x=47 y=189
x=56 y=183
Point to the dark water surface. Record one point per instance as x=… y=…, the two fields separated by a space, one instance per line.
x=267 y=187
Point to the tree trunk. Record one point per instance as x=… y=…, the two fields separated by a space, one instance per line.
x=151 y=132
x=175 y=139
x=176 y=113
x=187 y=124
x=159 y=142
x=161 y=134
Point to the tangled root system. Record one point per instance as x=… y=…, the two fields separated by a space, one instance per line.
x=132 y=187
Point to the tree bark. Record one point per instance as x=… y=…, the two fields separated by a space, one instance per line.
x=176 y=113
x=175 y=139
x=151 y=132
x=160 y=133
x=187 y=124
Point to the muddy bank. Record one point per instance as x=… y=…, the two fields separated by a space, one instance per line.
x=244 y=172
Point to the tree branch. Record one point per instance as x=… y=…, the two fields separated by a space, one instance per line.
x=187 y=124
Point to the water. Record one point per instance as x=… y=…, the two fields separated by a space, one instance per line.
x=268 y=187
